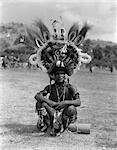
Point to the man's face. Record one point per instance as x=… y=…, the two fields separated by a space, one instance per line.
x=59 y=77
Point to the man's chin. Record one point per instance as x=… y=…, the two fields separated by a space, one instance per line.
x=60 y=81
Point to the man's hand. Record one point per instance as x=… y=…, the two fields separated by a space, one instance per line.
x=53 y=104
x=39 y=97
x=60 y=105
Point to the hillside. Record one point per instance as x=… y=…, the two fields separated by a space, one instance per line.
x=103 y=43
x=10 y=31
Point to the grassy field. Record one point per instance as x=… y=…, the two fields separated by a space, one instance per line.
x=18 y=118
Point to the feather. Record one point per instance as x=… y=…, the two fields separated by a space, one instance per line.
x=28 y=42
x=73 y=32
x=34 y=37
x=43 y=29
x=38 y=35
x=84 y=29
x=70 y=69
x=17 y=41
x=24 y=40
x=31 y=36
x=82 y=34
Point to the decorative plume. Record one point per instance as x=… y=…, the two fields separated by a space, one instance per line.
x=73 y=32
x=56 y=53
x=19 y=40
x=43 y=29
x=82 y=34
x=39 y=36
x=24 y=40
x=35 y=37
x=31 y=36
x=84 y=29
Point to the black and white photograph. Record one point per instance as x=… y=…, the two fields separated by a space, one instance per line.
x=58 y=75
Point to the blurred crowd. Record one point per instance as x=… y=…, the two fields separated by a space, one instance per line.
x=14 y=62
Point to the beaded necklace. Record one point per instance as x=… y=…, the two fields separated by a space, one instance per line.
x=62 y=94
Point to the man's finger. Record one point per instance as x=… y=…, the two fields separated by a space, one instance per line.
x=54 y=106
x=58 y=107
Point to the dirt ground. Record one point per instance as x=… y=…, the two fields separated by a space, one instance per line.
x=18 y=118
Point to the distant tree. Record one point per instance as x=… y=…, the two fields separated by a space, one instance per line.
x=4 y=44
x=97 y=52
x=87 y=46
x=114 y=48
x=3 y=29
x=109 y=57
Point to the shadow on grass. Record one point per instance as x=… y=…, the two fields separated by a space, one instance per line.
x=19 y=128
x=22 y=129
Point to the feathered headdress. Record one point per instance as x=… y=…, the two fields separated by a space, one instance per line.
x=55 y=51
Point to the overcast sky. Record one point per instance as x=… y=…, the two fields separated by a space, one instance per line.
x=101 y=14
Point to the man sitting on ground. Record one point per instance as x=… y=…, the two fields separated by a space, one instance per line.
x=62 y=97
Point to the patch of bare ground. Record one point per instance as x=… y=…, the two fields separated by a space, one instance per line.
x=18 y=118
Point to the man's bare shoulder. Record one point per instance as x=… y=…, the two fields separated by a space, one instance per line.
x=71 y=86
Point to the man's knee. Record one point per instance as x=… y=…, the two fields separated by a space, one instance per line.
x=70 y=111
x=44 y=105
x=38 y=105
x=37 y=97
x=48 y=109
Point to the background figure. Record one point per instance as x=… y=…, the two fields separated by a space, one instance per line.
x=4 y=62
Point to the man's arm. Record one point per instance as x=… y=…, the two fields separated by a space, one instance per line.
x=40 y=97
x=65 y=103
x=76 y=100
x=76 y=97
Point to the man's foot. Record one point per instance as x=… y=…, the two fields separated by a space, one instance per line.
x=50 y=131
x=65 y=123
x=39 y=125
x=41 y=114
x=44 y=128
